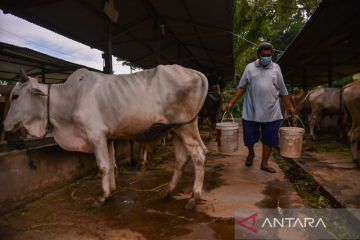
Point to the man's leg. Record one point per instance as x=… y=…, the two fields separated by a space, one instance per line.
x=251 y=135
x=270 y=139
x=250 y=157
x=265 y=157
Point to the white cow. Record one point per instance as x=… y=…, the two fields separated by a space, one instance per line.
x=351 y=100
x=91 y=109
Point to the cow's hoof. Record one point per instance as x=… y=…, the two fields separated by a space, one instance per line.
x=98 y=202
x=191 y=204
x=165 y=194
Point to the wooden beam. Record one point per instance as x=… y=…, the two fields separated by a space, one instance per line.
x=26 y=5
x=149 y=7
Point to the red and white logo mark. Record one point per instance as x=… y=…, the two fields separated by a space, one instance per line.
x=251 y=217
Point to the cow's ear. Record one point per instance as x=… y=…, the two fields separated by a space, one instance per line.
x=23 y=77
x=37 y=92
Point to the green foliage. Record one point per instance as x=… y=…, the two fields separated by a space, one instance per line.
x=227 y=94
x=340 y=83
x=2 y=82
x=276 y=21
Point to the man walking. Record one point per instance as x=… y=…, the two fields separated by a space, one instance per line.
x=263 y=84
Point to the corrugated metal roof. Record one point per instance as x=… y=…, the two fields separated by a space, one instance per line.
x=149 y=32
x=13 y=58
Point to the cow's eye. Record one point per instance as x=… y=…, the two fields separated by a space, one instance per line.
x=14 y=97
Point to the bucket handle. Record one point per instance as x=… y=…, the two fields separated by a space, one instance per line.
x=297 y=117
x=222 y=119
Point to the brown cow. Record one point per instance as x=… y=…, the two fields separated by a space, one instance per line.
x=351 y=99
x=301 y=102
x=318 y=102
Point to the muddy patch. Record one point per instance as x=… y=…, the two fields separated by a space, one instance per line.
x=134 y=211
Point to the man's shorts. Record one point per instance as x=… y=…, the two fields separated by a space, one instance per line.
x=269 y=132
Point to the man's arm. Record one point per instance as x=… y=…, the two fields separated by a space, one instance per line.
x=288 y=104
x=239 y=92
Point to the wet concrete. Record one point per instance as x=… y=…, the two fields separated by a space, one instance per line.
x=136 y=211
x=329 y=163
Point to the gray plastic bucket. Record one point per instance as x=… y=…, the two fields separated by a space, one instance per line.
x=227 y=135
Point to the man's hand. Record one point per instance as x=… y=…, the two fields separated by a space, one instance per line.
x=228 y=106
x=292 y=111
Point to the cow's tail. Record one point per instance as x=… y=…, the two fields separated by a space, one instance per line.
x=205 y=86
x=158 y=129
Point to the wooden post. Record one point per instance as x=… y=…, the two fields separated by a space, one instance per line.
x=108 y=49
x=43 y=73
x=304 y=79
x=330 y=70
x=157 y=32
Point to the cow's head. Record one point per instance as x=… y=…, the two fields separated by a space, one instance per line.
x=27 y=107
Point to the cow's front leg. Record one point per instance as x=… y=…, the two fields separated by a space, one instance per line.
x=113 y=167
x=313 y=118
x=143 y=156
x=104 y=165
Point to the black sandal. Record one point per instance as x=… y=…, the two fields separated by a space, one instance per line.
x=249 y=160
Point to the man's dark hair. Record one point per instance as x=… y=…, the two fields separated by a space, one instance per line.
x=264 y=46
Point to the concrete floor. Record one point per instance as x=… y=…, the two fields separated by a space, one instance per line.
x=330 y=164
x=136 y=211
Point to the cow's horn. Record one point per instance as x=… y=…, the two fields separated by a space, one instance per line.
x=23 y=76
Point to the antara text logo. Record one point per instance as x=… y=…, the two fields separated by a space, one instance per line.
x=297 y=223
x=289 y=222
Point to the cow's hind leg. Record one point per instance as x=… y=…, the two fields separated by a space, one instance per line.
x=113 y=166
x=180 y=161
x=354 y=141
x=194 y=146
x=104 y=164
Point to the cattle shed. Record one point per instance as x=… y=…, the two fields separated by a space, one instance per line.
x=195 y=34
x=327 y=48
x=46 y=68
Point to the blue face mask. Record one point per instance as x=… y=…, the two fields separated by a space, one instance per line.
x=265 y=60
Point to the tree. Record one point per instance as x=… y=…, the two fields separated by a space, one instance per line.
x=276 y=21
